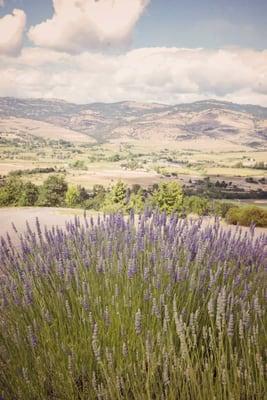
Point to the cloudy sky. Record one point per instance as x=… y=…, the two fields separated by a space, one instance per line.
x=168 y=51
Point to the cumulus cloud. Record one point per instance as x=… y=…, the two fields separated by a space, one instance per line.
x=88 y=24
x=11 y=32
x=166 y=75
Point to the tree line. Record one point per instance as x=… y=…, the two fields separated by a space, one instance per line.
x=167 y=196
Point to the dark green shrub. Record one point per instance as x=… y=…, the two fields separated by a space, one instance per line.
x=79 y=165
x=29 y=195
x=53 y=191
x=96 y=198
x=114 y=158
x=136 y=188
x=11 y=191
x=96 y=202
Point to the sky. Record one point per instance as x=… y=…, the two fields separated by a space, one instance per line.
x=166 y=51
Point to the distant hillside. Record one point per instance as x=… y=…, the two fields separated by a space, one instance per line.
x=212 y=123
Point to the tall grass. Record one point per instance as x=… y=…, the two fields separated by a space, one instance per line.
x=145 y=308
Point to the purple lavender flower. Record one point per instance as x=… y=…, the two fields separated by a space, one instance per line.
x=138 y=322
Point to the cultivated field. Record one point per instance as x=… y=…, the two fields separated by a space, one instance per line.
x=133 y=162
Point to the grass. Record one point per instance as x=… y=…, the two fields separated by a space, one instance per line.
x=144 y=308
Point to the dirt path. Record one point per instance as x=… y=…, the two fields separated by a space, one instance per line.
x=47 y=216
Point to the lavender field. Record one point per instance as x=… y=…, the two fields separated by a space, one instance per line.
x=147 y=307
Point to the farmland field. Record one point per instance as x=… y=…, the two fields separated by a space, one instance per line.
x=95 y=165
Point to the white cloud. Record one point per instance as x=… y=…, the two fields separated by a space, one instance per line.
x=1 y=3
x=88 y=24
x=11 y=32
x=167 y=75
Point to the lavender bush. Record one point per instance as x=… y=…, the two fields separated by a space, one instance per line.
x=148 y=307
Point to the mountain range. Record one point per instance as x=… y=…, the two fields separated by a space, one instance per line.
x=208 y=123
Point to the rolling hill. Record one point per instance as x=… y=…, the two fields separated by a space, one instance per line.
x=200 y=125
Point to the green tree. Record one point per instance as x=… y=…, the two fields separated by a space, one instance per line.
x=118 y=193
x=83 y=194
x=72 y=198
x=136 y=202
x=169 y=197
x=116 y=198
x=96 y=198
x=29 y=195
x=135 y=188
x=11 y=191
x=53 y=191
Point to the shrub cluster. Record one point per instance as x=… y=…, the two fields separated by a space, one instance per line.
x=46 y=170
x=247 y=215
x=15 y=192
x=226 y=190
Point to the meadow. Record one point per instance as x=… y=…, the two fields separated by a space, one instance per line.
x=143 y=307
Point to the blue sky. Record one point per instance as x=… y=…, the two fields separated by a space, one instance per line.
x=204 y=23
x=168 y=51
x=182 y=23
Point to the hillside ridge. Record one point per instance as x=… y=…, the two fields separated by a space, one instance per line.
x=208 y=120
